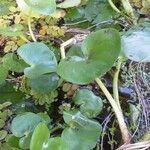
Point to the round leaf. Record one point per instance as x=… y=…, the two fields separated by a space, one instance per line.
x=41 y=59
x=136 y=43
x=24 y=124
x=45 y=7
x=90 y=104
x=100 y=50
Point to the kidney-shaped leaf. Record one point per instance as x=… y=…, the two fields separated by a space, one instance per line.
x=45 y=7
x=100 y=50
x=69 y=3
x=90 y=104
x=136 y=43
x=41 y=59
x=83 y=137
x=25 y=124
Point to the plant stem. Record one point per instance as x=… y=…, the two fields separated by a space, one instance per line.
x=129 y=10
x=118 y=112
x=115 y=83
x=63 y=45
x=114 y=7
x=55 y=129
x=30 y=29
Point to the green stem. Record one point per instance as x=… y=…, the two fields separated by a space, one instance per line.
x=55 y=129
x=118 y=112
x=129 y=10
x=115 y=83
x=114 y=7
x=30 y=29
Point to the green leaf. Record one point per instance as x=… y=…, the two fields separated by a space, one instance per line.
x=12 y=63
x=45 y=117
x=40 y=137
x=8 y=93
x=98 y=11
x=40 y=140
x=3 y=9
x=3 y=134
x=24 y=124
x=13 y=141
x=100 y=50
x=2 y=123
x=15 y=30
x=83 y=137
x=44 y=7
x=90 y=104
x=56 y=144
x=136 y=43
x=45 y=83
x=24 y=142
x=41 y=59
x=4 y=6
x=75 y=50
x=3 y=74
x=69 y=3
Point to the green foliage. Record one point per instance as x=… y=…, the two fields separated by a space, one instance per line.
x=40 y=137
x=69 y=3
x=43 y=98
x=13 y=63
x=37 y=80
x=8 y=93
x=29 y=122
x=45 y=7
x=31 y=7
x=24 y=124
x=94 y=61
x=3 y=134
x=44 y=83
x=40 y=140
x=136 y=43
x=90 y=104
x=13 y=141
x=15 y=30
x=80 y=128
x=98 y=11
x=3 y=74
x=4 y=6
x=39 y=57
